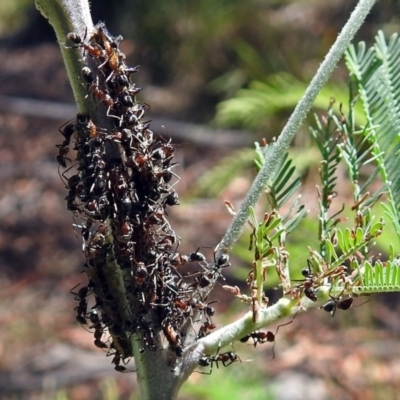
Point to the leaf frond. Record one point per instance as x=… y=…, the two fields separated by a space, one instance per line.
x=376 y=72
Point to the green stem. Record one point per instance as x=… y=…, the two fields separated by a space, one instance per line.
x=70 y=16
x=282 y=144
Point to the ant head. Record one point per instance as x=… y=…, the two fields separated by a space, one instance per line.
x=307 y=271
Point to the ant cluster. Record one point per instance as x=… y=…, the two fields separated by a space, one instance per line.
x=119 y=186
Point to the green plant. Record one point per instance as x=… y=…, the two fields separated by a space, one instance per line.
x=144 y=302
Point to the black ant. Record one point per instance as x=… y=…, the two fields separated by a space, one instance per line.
x=221 y=262
x=226 y=359
x=83 y=292
x=337 y=304
x=171 y=200
x=63 y=150
x=98 y=330
x=197 y=256
x=81 y=310
x=207 y=310
x=61 y=156
x=117 y=362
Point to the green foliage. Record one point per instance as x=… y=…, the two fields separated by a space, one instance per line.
x=13 y=13
x=213 y=181
x=251 y=107
x=376 y=73
x=379 y=277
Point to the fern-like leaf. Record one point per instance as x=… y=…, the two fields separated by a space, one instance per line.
x=252 y=106
x=379 y=277
x=376 y=72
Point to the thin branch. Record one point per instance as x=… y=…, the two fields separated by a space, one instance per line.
x=289 y=131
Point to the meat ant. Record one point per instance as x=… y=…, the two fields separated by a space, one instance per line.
x=93 y=85
x=203 y=331
x=336 y=304
x=259 y=337
x=205 y=308
x=94 y=51
x=110 y=45
x=226 y=359
x=307 y=284
x=173 y=337
x=263 y=337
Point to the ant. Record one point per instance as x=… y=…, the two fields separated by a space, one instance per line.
x=61 y=156
x=110 y=45
x=221 y=262
x=83 y=292
x=98 y=329
x=203 y=331
x=336 y=304
x=81 y=311
x=173 y=337
x=213 y=272
x=226 y=359
x=63 y=150
x=308 y=283
x=171 y=200
x=94 y=51
x=197 y=256
x=93 y=85
x=263 y=337
x=207 y=310
x=120 y=368
x=259 y=337
x=81 y=296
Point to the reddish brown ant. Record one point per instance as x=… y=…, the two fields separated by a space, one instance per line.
x=226 y=359
x=173 y=338
x=203 y=331
x=263 y=337
x=101 y=95
x=336 y=304
x=94 y=51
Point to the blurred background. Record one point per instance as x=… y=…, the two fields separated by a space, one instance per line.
x=219 y=75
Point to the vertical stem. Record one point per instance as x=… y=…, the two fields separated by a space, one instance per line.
x=70 y=16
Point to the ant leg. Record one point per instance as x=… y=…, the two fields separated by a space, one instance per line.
x=112 y=116
x=273 y=335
